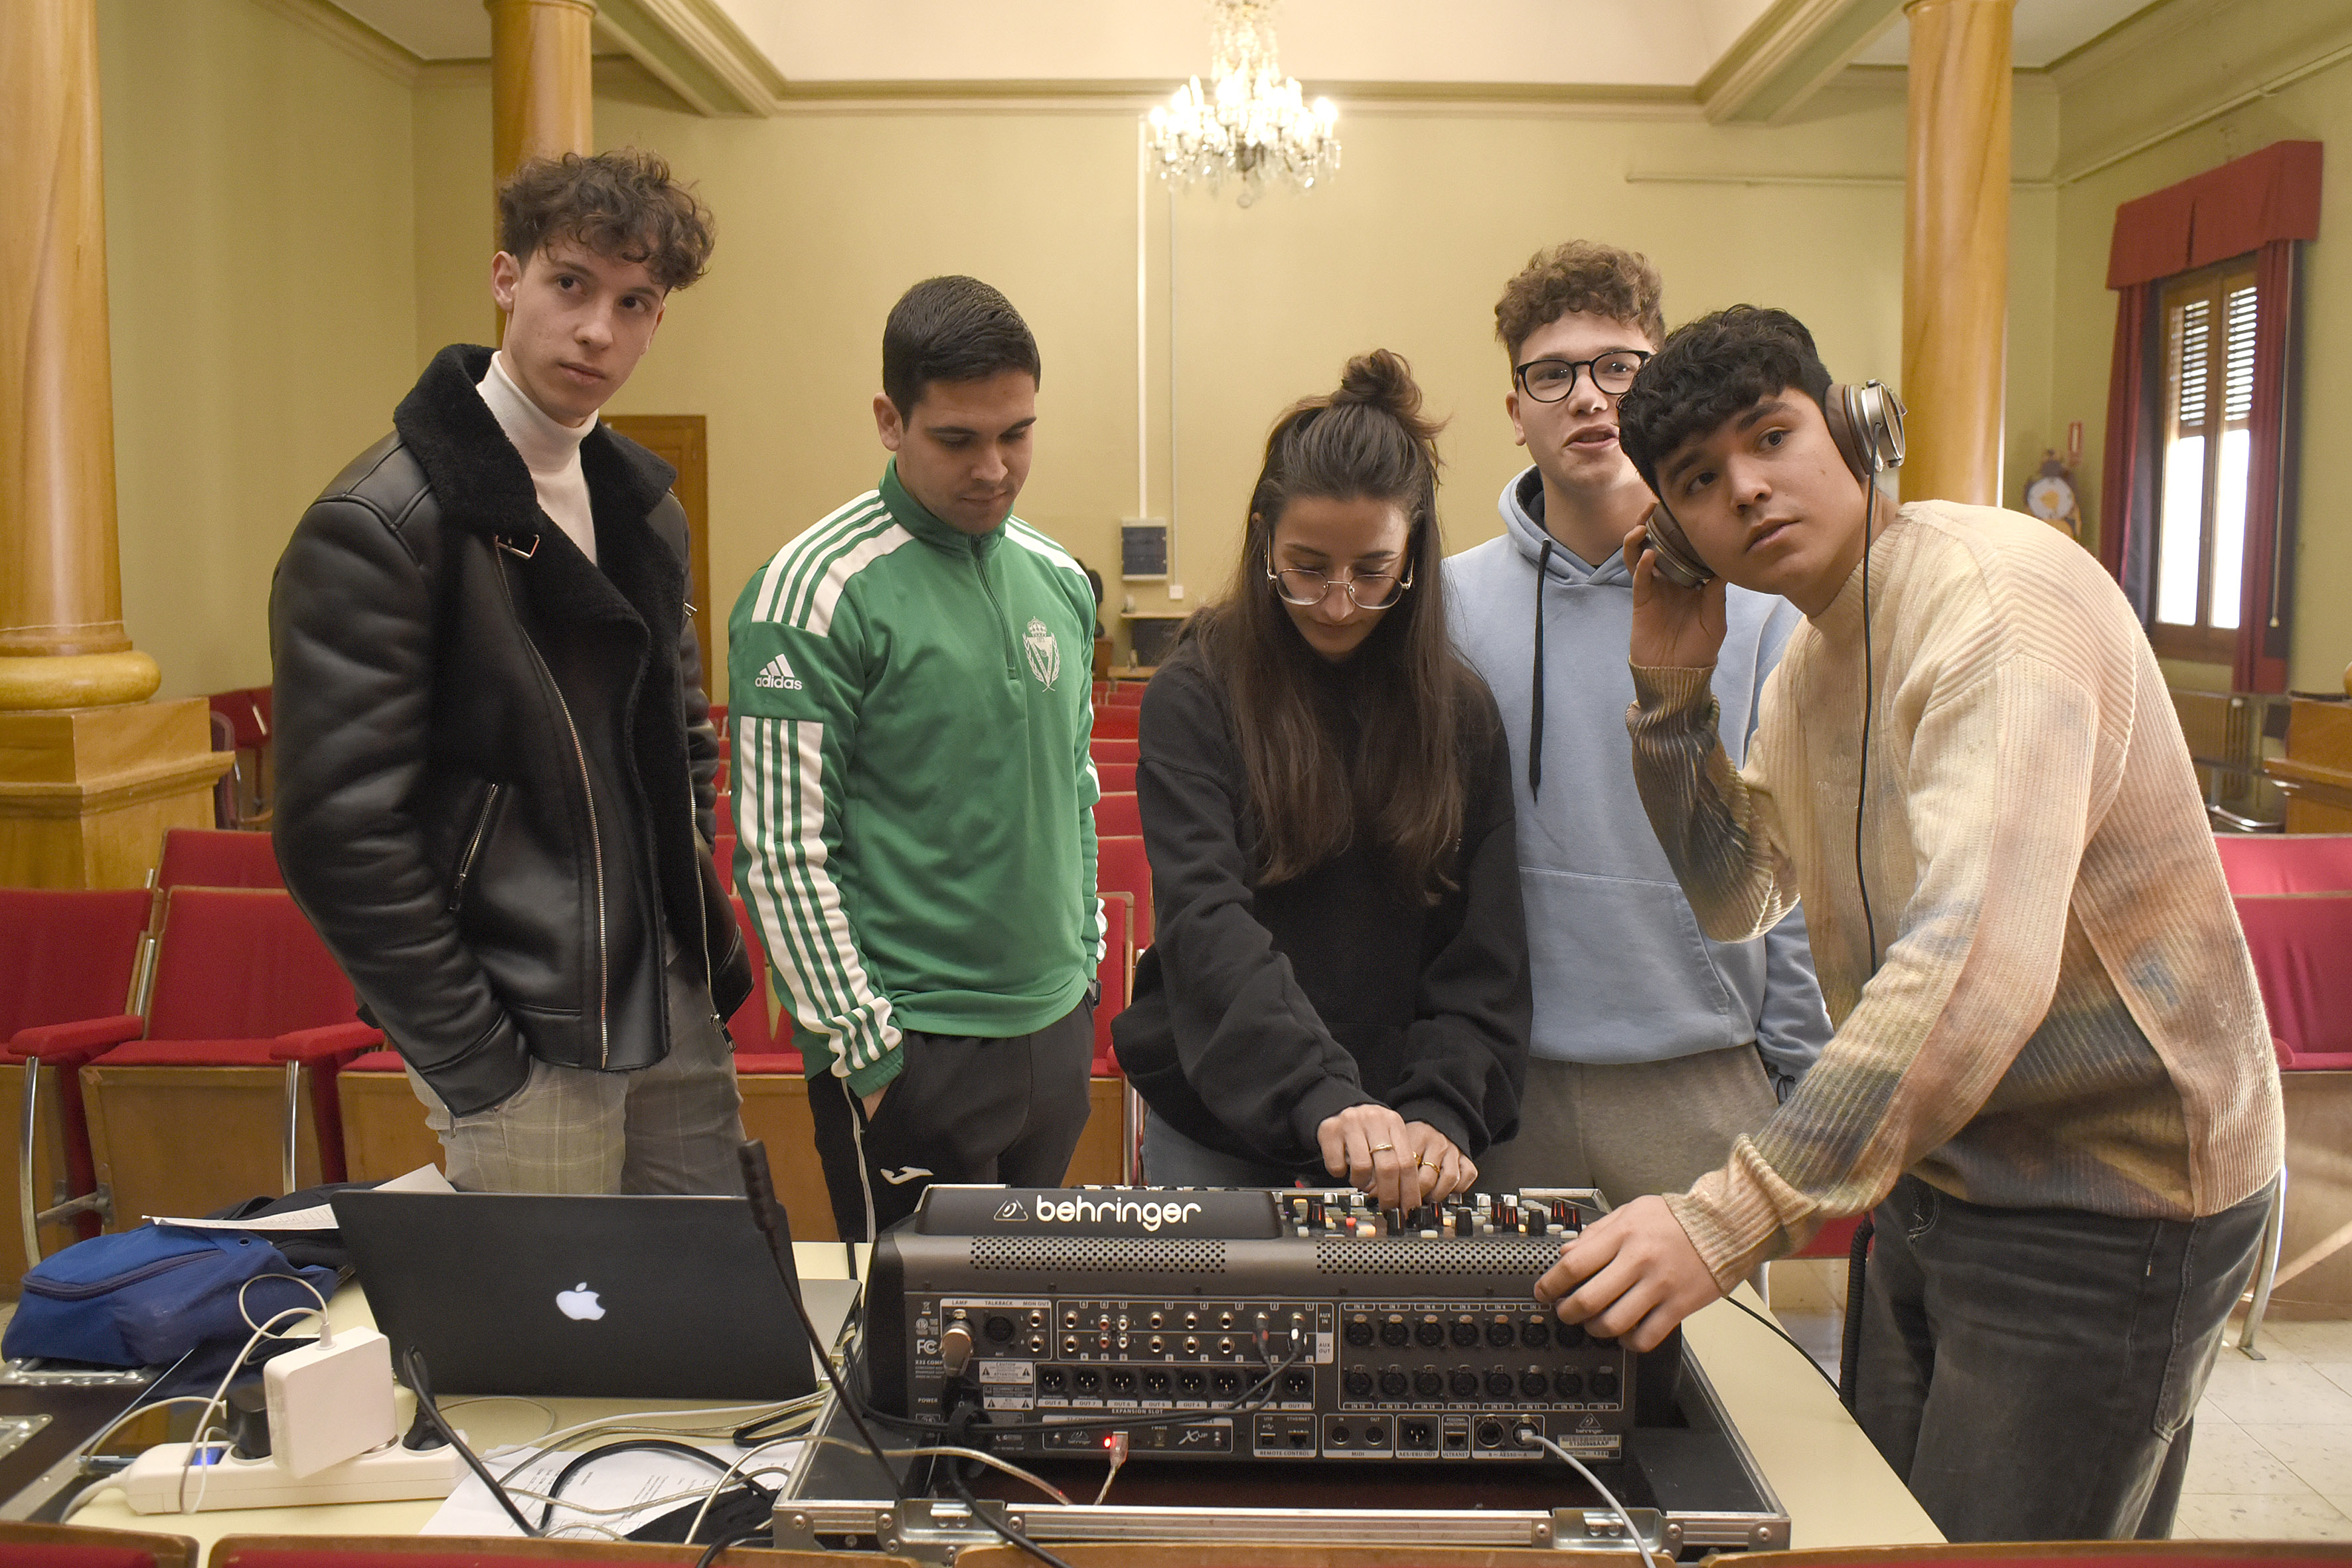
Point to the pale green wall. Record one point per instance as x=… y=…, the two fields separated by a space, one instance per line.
x=2194 y=54
x=261 y=282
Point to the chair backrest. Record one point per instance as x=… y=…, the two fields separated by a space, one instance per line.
x=1114 y=778
x=241 y=963
x=1115 y=973
x=1121 y=866
x=215 y=858
x=2302 y=948
x=26 y=1545
x=751 y=1027
x=1114 y=748
x=67 y=954
x=1116 y=721
x=1119 y=816
x=247 y=712
x=1127 y=694
x=727 y=812
x=2286 y=862
x=722 y=855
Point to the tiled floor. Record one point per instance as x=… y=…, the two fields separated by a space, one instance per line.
x=2272 y=1458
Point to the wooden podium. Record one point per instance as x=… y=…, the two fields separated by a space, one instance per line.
x=2316 y=774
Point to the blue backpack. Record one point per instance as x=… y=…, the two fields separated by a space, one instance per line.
x=151 y=1295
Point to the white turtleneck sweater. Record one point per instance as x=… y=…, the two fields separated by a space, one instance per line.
x=549 y=449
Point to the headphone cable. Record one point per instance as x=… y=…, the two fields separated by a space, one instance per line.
x=1869 y=695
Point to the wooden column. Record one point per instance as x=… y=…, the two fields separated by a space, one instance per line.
x=542 y=89
x=1955 y=248
x=90 y=771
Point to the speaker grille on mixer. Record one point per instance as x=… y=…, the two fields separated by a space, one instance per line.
x=1405 y=1255
x=1098 y=1252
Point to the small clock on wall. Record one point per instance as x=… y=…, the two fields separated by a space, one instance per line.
x=2049 y=496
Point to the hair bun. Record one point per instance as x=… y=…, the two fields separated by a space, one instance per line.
x=1382 y=380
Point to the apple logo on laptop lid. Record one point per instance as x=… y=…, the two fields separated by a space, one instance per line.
x=580 y=1303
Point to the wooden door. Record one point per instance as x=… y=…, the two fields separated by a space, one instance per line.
x=679 y=439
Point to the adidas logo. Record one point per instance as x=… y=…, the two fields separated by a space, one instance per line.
x=778 y=675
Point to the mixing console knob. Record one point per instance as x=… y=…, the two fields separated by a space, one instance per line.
x=1498 y=1384
x=1465 y=1331
x=1394 y=1383
x=1428 y=1383
x=1430 y=1331
x=1360 y=1331
x=1358 y=1383
x=1604 y=1384
x=1464 y=1383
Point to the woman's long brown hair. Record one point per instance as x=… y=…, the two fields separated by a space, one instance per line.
x=1402 y=783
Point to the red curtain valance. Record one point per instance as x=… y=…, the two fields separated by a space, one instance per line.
x=2241 y=206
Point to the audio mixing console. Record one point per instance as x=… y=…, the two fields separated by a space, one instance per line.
x=1233 y=1324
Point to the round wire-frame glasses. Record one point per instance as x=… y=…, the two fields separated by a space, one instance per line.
x=1552 y=380
x=1298 y=586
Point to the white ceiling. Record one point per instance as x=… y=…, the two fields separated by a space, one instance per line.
x=1589 y=42
x=2044 y=30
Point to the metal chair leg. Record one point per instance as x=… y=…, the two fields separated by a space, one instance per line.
x=293 y=1120
x=2266 y=1262
x=28 y=1205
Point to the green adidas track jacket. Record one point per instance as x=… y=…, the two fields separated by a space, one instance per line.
x=914 y=800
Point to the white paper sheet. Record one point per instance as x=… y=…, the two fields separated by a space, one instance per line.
x=321 y=1216
x=652 y=1479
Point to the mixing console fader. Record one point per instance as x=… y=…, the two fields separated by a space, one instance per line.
x=1243 y=1324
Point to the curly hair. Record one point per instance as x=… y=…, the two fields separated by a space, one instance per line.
x=1711 y=370
x=1576 y=276
x=622 y=204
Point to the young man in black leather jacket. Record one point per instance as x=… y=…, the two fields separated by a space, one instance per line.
x=496 y=762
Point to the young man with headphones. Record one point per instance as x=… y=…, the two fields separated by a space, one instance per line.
x=1653 y=1048
x=2050 y=1073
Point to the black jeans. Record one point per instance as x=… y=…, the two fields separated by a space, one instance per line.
x=962 y=1109
x=2030 y=1373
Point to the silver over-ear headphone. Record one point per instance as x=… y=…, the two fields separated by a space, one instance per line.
x=1867 y=423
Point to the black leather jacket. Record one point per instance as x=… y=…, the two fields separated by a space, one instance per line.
x=494 y=760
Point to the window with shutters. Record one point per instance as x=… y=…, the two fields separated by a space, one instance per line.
x=2209 y=400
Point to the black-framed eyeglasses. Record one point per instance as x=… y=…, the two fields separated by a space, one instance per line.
x=1365 y=590
x=1552 y=380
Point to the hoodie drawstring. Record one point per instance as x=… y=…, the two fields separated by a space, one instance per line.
x=1535 y=713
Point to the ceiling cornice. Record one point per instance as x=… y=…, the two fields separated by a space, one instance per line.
x=696 y=50
x=1787 y=55
x=350 y=35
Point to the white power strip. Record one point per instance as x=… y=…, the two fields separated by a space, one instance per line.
x=389 y=1474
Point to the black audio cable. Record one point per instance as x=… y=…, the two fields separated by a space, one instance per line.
x=1791 y=1344
x=962 y=1425
x=414 y=1364
x=752 y=1156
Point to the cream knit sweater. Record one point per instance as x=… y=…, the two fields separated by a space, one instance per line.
x=2063 y=1013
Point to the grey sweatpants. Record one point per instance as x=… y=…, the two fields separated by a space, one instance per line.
x=1630 y=1128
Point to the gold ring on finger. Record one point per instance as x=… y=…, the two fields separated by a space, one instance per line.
x=1381 y=1148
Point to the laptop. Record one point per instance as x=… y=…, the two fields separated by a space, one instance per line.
x=621 y=1297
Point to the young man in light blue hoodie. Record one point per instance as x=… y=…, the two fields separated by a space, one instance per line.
x=1653 y=1047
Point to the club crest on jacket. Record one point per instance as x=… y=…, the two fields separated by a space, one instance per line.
x=1044 y=655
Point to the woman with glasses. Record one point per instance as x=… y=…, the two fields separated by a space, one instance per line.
x=1336 y=985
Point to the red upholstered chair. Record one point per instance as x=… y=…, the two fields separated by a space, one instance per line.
x=384 y=1132
x=211 y=857
x=722 y=854
x=1112 y=748
x=1117 y=816
x=250 y=783
x=770 y=1072
x=2286 y=862
x=718 y=717
x=201 y=1102
x=25 y=1545
x=1116 y=721
x=68 y=956
x=727 y=813
x=1127 y=694
x=1121 y=864
x=2302 y=947
x=1114 y=778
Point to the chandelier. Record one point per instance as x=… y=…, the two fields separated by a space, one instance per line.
x=1251 y=121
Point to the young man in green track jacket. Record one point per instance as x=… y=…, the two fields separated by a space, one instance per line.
x=910 y=694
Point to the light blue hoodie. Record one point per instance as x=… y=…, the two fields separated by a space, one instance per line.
x=1622 y=972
